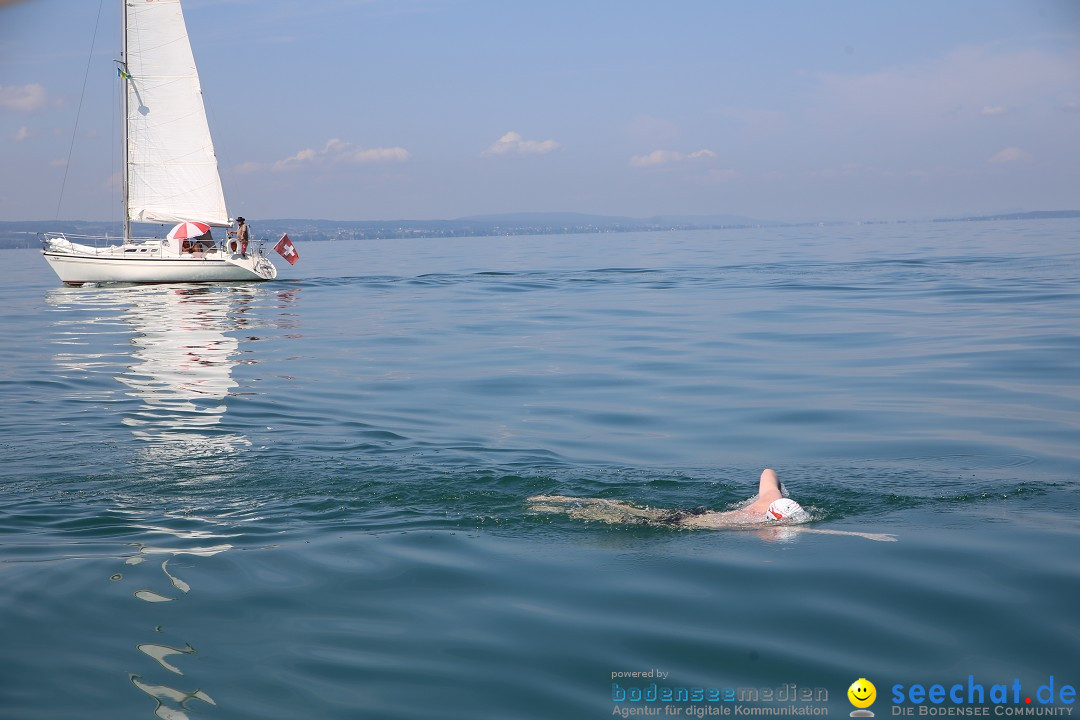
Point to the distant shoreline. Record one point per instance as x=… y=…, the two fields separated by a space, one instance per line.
x=26 y=233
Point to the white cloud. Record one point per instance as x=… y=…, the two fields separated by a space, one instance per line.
x=21 y=134
x=513 y=144
x=23 y=98
x=338 y=152
x=668 y=157
x=946 y=89
x=656 y=157
x=1010 y=155
x=301 y=157
x=246 y=168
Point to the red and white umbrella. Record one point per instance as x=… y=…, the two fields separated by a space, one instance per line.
x=188 y=231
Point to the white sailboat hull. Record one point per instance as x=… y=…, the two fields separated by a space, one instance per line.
x=124 y=265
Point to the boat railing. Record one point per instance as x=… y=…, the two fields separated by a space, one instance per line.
x=256 y=248
x=113 y=245
x=92 y=244
x=74 y=236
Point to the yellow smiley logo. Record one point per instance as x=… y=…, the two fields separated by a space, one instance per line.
x=862 y=693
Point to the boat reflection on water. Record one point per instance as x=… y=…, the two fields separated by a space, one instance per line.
x=180 y=346
x=158 y=361
x=164 y=646
x=183 y=369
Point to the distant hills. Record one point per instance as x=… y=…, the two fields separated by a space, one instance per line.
x=505 y=224
x=1036 y=215
x=27 y=233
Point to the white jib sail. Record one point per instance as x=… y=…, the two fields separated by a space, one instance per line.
x=172 y=169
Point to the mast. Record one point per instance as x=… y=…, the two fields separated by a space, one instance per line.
x=125 y=79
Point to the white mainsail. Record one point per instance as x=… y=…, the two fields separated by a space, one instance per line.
x=171 y=165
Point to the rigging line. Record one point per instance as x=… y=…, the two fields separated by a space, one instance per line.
x=78 y=113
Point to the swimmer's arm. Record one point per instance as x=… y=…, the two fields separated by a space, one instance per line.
x=554 y=499
x=598 y=509
x=729 y=520
x=742 y=520
x=880 y=537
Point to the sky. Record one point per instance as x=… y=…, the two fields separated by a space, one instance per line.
x=438 y=109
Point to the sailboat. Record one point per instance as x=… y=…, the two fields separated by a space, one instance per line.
x=170 y=169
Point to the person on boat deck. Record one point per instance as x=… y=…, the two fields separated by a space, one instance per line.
x=241 y=233
x=202 y=244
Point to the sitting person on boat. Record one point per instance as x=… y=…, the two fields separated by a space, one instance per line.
x=200 y=245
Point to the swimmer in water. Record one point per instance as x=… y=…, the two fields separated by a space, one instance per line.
x=770 y=507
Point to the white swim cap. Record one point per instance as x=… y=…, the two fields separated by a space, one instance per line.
x=787 y=510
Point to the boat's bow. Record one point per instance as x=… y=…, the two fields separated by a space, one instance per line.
x=258 y=264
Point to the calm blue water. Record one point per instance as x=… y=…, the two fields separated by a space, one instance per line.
x=308 y=498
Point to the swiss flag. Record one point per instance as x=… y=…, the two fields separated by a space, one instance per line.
x=286 y=250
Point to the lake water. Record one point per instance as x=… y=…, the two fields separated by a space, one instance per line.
x=307 y=498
